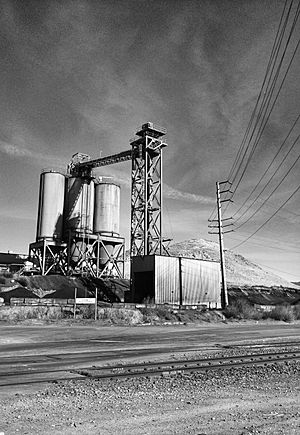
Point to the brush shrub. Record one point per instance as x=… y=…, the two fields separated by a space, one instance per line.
x=159 y=314
x=120 y=316
x=150 y=315
x=241 y=309
x=21 y=313
x=296 y=310
x=87 y=311
x=282 y=312
x=232 y=311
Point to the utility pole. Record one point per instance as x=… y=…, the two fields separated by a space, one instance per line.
x=220 y=226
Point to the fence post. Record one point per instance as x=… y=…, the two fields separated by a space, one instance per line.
x=75 y=296
x=96 y=303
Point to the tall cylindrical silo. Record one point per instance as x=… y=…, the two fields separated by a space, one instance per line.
x=79 y=205
x=107 y=209
x=51 y=206
x=107 y=216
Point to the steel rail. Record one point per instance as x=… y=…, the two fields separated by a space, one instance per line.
x=187 y=365
x=148 y=369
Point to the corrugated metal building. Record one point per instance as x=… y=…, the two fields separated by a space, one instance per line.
x=176 y=280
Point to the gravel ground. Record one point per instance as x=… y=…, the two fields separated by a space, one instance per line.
x=245 y=400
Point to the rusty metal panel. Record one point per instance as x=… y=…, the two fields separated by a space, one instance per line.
x=200 y=282
x=167 y=284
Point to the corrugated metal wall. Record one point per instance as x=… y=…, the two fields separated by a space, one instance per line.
x=200 y=282
x=167 y=280
x=183 y=281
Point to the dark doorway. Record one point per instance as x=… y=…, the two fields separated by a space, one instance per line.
x=143 y=287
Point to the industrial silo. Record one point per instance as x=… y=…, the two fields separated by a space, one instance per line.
x=51 y=206
x=79 y=205
x=107 y=216
x=107 y=209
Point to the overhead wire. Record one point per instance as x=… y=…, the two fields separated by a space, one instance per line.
x=267 y=184
x=273 y=191
x=267 y=93
x=263 y=114
x=269 y=166
x=274 y=54
x=277 y=248
x=265 y=106
x=266 y=102
x=265 y=122
x=275 y=46
x=268 y=220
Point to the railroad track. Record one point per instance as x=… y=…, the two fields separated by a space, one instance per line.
x=195 y=365
x=262 y=344
x=38 y=375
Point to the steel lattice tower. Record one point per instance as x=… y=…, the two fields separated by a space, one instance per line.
x=146 y=191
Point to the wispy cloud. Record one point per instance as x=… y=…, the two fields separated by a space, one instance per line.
x=168 y=191
x=38 y=158
x=14 y=150
x=171 y=193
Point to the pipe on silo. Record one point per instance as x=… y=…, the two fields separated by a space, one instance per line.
x=51 y=206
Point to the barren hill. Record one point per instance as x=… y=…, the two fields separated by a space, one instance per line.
x=240 y=271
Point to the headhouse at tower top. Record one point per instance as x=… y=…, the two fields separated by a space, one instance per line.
x=150 y=129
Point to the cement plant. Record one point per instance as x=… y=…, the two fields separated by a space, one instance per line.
x=149 y=274
x=78 y=244
x=78 y=230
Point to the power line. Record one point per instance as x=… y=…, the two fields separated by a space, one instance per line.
x=277 y=248
x=274 y=53
x=266 y=103
x=273 y=191
x=274 y=158
x=267 y=95
x=275 y=47
x=267 y=239
x=268 y=220
x=274 y=102
x=265 y=120
x=270 y=207
x=266 y=185
x=264 y=111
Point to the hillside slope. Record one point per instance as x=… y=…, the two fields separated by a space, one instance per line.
x=240 y=271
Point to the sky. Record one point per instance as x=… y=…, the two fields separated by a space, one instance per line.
x=83 y=76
